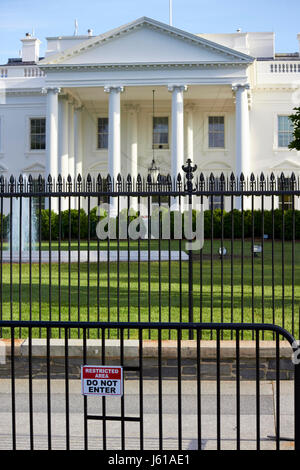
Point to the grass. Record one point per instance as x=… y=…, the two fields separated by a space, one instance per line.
x=109 y=292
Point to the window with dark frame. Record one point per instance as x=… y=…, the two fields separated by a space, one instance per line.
x=37 y=134
x=160 y=132
x=102 y=133
x=216 y=132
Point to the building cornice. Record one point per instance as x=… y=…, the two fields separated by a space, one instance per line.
x=152 y=24
x=142 y=66
x=23 y=91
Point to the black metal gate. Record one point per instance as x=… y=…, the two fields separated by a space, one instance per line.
x=167 y=403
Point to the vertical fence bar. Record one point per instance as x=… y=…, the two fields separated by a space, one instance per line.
x=262 y=253
x=50 y=260
x=293 y=257
x=13 y=387
x=242 y=254
x=1 y=260
x=122 y=397
x=179 y=394
x=78 y=262
x=103 y=398
x=11 y=228
x=88 y=259
x=283 y=251
x=20 y=257
x=40 y=188
x=222 y=248
x=211 y=253
x=30 y=254
x=48 y=389
x=69 y=255
x=273 y=244
x=30 y=394
x=59 y=255
x=232 y=256
x=252 y=251
x=257 y=390
x=149 y=199
x=218 y=378
x=128 y=261
x=238 y=392
x=160 y=408
x=199 y=408
x=67 y=390
x=277 y=392
x=85 y=405
x=141 y=389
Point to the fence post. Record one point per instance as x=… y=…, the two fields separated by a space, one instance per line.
x=189 y=170
x=297 y=406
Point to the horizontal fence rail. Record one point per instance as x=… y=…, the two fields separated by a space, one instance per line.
x=59 y=261
x=45 y=410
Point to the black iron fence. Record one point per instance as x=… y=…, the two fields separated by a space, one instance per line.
x=198 y=249
x=41 y=412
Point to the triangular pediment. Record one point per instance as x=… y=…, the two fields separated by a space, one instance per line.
x=286 y=165
x=34 y=169
x=146 y=41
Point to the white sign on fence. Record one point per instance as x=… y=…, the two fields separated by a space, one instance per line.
x=102 y=380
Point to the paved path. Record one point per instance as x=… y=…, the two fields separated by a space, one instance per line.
x=93 y=255
x=170 y=419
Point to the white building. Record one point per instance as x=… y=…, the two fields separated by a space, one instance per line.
x=222 y=100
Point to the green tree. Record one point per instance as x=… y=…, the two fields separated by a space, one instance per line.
x=295 y=118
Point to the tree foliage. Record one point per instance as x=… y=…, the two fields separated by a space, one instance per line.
x=295 y=118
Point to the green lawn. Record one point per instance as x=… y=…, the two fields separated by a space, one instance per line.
x=112 y=292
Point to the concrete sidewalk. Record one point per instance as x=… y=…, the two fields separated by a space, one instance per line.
x=151 y=423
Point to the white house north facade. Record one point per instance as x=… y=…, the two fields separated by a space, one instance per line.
x=112 y=103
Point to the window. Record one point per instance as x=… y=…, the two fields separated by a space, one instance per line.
x=285 y=131
x=38 y=134
x=160 y=132
x=102 y=133
x=216 y=134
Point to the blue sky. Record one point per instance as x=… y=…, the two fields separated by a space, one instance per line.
x=56 y=17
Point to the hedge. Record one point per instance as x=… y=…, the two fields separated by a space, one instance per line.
x=225 y=219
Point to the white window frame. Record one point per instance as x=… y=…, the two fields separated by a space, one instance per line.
x=31 y=151
x=99 y=114
x=277 y=132
x=150 y=131
x=101 y=149
x=206 y=117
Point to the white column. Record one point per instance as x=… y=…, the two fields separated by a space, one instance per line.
x=52 y=132
x=78 y=146
x=177 y=132
x=114 y=130
x=63 y=137
x=177 y=128
x=132 y=133
x=52 y=138
x=71 y=159
x=242 y=130
x=190 y=130
x=114 y=136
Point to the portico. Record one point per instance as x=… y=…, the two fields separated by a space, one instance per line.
x=196 y=82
